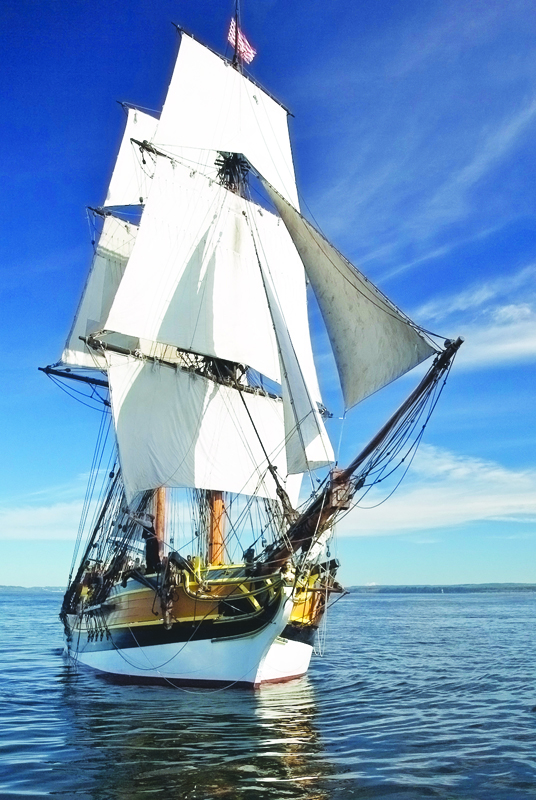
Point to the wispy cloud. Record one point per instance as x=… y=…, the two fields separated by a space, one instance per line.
x=497 y=317
x=447 y=490
x=509 y=338
x=453 y=245
x=45 y=522
x=451 y=199
x=429 y=119
x=478 y=294
x=52 y=512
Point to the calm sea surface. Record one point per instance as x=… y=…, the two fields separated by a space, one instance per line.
x=415 y=696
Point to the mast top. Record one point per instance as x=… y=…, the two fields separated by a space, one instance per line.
x=236 y=62
x=243 y=51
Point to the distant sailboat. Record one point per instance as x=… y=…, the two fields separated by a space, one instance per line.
x=201 y=567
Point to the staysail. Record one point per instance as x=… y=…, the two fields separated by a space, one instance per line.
x=373 y=341
x=308 y=445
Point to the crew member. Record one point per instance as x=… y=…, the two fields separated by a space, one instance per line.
x=152 y=546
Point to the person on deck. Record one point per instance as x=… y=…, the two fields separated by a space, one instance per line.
x=152 y=546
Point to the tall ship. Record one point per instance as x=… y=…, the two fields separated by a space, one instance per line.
x=203 y=557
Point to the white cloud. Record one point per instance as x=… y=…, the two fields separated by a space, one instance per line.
x=503 y=341
x=447 y=490
x=496 y=317
x=477 y=294
x=56 y=521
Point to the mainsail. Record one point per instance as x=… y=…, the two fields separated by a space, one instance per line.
x=192 y=431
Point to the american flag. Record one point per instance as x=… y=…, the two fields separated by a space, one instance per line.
x=243 y=47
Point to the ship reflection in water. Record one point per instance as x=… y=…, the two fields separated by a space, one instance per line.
x=133 y=742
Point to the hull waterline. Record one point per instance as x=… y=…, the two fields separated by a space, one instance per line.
x=244 y=660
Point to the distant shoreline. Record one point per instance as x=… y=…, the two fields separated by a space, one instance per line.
x=394 y=589
x=445 y=588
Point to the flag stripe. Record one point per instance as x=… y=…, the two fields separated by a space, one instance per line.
x=243 y=48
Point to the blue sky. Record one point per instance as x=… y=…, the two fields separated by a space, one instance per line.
x=413 y=135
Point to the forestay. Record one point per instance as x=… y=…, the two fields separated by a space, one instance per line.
x=131 y=178
x=213 y=107
x=112 y=253
x=177 y=428
x=373 y=341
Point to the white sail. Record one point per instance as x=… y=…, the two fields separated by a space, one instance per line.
x=131 y=178
x=373 y=342
x=111 y=255
x=308 y=445
x=211 y=106
x=193 y=280
x=281 y=265
x=177 y=428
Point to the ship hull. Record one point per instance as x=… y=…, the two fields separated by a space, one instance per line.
x=142 y=654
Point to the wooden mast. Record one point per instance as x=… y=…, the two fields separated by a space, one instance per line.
x=160 y=518
x=216 y=539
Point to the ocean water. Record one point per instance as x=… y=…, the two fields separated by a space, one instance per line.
x=414 y=696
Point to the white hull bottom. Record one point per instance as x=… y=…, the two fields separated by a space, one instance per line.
x=222 y=662
x=250 y=660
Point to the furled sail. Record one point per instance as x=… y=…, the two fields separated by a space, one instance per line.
x=373 y=341
x=177 y=428
x=213 y=107
x=111 y=255
x=131 y=178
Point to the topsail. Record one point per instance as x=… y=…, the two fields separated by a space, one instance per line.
x=131 y=177
x=112 y=252
x=211 y=107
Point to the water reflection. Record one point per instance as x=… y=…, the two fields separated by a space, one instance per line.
x=414 y=699
x=133 y=741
